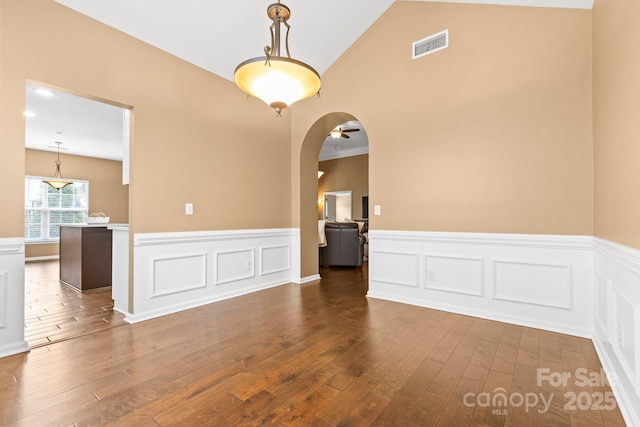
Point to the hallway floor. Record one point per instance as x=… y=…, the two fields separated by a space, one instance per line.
x=57 y=312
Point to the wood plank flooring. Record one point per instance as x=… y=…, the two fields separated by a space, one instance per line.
x=56 y=312
x=318 y=354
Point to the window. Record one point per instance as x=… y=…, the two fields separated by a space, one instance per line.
x=45 y=208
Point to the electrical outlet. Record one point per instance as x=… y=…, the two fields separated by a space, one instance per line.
x=377 y=210
x=431 y=275
x=188 y=208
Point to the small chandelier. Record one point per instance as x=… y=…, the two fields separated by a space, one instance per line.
x=57 y=181
x=277 y=80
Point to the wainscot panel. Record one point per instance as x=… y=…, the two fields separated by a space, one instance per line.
x=458 y=274
x=12 y=297
x=177 y=271
x=395 y=267
x=533 y=280
x=172 y=275
x=234 y=265
x=275 y=259
x=617 y=327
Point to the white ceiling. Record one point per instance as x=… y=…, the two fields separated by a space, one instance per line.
x=200 y=31
x=356 y=144
x=217 y=36
x=87 y=128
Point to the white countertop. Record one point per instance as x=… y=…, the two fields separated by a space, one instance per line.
x=108 y=225
x=118 y=227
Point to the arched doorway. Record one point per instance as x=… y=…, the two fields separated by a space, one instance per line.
x=308 y=177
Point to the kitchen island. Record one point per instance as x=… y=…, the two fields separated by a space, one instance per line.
x=85 y=256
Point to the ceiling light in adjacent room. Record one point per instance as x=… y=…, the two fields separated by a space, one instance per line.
x=277 y=80
x=29 y=113
x=57 y=181
x=320 y=173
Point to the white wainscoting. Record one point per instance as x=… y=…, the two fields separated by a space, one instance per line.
x=539 y=281
x=617 y=322
x=177 y=271
x=120 y=267
x=12 y=297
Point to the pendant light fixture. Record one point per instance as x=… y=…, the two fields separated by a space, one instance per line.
x=57 y=181
x=277 y=80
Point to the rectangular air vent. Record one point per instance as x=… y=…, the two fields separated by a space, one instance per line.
x=431 y=44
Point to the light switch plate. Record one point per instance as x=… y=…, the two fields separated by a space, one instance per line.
x=377 y=210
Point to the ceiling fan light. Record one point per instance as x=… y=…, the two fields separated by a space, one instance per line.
x=336 y=133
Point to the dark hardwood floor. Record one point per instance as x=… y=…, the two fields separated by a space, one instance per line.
x=318 y=354
x=57 y=312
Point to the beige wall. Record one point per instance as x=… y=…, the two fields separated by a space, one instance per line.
x=41 y=250
x=106 y=192
x=348 y=173
x=195 y=137
x=493 y=134
x=616 y=75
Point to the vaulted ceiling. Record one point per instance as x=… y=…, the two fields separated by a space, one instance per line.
x=217 y=36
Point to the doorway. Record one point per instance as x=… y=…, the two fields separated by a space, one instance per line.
x=337 y=205
x=90 y=138
x=313 y=184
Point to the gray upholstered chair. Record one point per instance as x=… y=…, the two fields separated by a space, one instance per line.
x=345 y=245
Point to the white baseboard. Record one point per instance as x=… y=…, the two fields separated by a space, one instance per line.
x=626 y=397
x=14 y=348
x=538 y=281
x=617 y=322
x=178 y=271
x=42 y=258
x=307 y=279
x=170 y=309
x=498 y=317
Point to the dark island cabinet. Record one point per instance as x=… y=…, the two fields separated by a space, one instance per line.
x=85 y=256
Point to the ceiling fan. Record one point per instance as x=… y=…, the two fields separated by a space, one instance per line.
x=339 y=132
